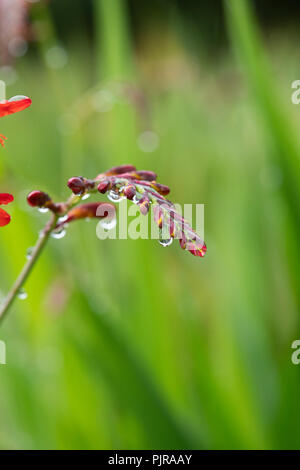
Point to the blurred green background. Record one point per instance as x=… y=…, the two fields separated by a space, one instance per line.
x=124 y=344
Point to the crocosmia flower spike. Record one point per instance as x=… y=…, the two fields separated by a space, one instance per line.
x=11 y=106
x=141 y=187
x=4 y=216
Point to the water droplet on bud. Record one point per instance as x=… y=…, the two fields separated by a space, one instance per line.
x=114 y=196
x=166 y=242
x=85 y=196
x=136 y=198
x=43 y=210
x=29 y=253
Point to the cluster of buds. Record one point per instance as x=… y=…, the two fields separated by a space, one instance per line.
x=67 y=212
x=121 y=182
x=141 y=188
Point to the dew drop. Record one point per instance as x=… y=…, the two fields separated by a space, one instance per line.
x=115 y=196
x=58 y=234
x=63 y=219
x=85 y=197
x=108 y=224
x=29 y=253
x=43 y=210
x=18 y=98
x=22 y=294
x=136 y=198
x=166 y=242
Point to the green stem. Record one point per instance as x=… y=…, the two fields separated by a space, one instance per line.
x=13 y=293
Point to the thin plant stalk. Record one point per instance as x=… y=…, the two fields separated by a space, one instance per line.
x=20 y=281
x=37 y=250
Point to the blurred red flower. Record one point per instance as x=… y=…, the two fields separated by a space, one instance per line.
x=5 y=198
x=14 y=29
x=13 y=105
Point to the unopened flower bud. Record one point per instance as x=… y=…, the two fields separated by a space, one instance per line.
x=196 y=249
x=161 y=188
x=145 y=175
x=129 y=191
x=84 y=211
x=77 y=184
x=144 y=204
x=104 y=186
x=118 y=170
x=158 y=216
x=172 y=228
x=38 y=199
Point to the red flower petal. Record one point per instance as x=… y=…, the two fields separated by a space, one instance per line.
x=10 y=107
x=6 y=198
x=4 y=218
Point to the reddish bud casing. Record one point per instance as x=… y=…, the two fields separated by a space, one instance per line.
x=38 y=199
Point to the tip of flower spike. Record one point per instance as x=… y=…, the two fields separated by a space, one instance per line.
x=194 y=247
x=198 y=251
x=37 y=199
